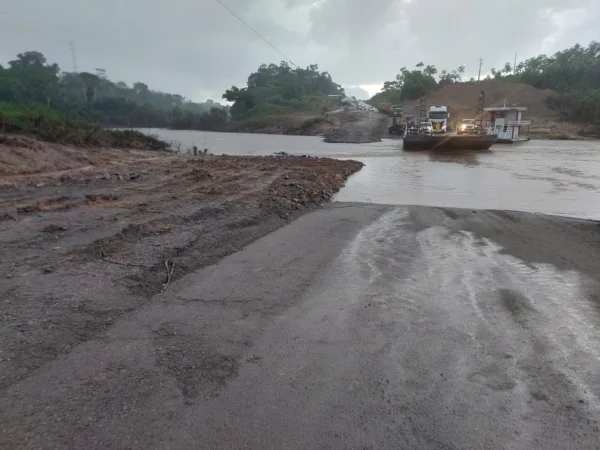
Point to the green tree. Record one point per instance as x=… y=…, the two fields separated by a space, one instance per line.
x=91 y=83
x=411 y=84
x=574 y=73
x=33 y=60
x=29 y=78
x=430 y=70
x=278 y=87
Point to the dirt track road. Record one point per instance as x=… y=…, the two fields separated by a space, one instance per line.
x=356 y=326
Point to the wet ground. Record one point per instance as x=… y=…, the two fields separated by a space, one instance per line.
x=553 y=177
x=356 y=326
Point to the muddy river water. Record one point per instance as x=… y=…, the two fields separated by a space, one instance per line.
x=553 y=177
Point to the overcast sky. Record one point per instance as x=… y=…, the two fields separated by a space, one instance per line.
x=198 y=49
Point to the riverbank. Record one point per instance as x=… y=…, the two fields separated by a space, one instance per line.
x=358 y=318
x=336 y=127
x=301 y=124
x=91 y=234
x=555 y=130
x=51 y=126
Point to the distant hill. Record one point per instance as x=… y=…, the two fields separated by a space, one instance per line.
x=561 y=90
x=462 y=98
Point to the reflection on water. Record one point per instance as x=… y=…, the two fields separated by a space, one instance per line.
x=554 y=177
x=465 y=157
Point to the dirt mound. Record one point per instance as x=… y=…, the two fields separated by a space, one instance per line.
x=462 y=98
x=20 y=155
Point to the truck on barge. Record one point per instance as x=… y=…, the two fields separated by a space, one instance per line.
x=440 y=139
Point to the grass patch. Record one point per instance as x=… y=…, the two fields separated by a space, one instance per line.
x=52 y=126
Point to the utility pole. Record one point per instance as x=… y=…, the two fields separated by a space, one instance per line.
x=73 y=56
x=480 y=64
x=515 y=64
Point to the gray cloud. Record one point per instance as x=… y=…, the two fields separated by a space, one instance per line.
x=358 y=92
x=198 y=49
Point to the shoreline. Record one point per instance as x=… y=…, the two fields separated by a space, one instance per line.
x=346 y=133
x=354 y=127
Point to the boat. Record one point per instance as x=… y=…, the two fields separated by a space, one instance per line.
x=448 y=142
x=423 y=138
x=506 y=122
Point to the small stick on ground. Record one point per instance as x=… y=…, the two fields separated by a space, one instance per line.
x=51 y=267
x=169 y=274
x=123 y=263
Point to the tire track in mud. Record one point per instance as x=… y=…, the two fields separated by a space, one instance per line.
x=355 y=326
x=548 y=337
x=528 y=324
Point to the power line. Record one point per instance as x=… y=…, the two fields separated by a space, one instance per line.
x=9 y=27
x=36 y=22
x=32 y=30
x=24 y=30
x=28 y=25
x=43 y=35
x=257 y=33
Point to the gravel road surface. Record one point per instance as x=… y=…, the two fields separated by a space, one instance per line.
x=354 y=327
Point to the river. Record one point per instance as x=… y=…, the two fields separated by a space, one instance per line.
x=552 y=177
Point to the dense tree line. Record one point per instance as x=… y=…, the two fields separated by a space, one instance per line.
x=30 y=79
x=411 y=84
x=279 y=87
x=573 y=73
x=273 y=89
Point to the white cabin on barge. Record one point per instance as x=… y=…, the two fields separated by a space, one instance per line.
x=506 y=122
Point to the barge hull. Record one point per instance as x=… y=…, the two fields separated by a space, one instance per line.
x=449 y=142
x=512 y=141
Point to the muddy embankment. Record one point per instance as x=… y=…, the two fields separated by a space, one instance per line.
x=336 y=127
x=295 y=125
x=359 y=127
x=552 y=129
x=88 y=235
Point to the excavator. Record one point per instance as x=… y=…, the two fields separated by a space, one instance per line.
x=398 y=125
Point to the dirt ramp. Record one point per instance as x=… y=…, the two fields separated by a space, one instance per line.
x=81 y=248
